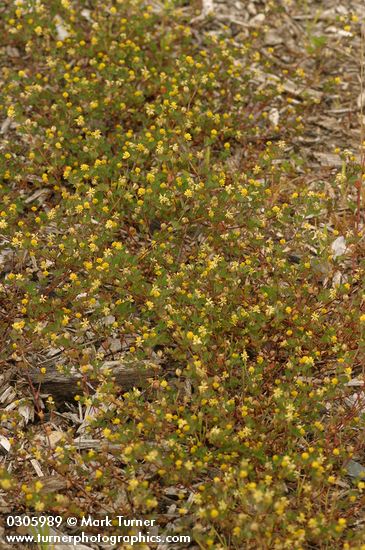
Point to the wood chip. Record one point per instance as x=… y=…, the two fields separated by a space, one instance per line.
x=66 y=386
x=37 y=467
x=5 y=444
x=55 y=437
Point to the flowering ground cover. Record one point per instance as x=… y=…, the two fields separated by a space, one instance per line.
x=182 y=291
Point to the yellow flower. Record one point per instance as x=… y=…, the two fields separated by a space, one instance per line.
x=133 y=484
x=106 y=432
x=38 y=486
x=151 y=503
x=305 y=360
x=19 y=325
x=6 y=484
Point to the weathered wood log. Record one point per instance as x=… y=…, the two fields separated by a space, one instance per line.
x=65 y=386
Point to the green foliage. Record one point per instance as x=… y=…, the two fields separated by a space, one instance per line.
x=166 y=204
